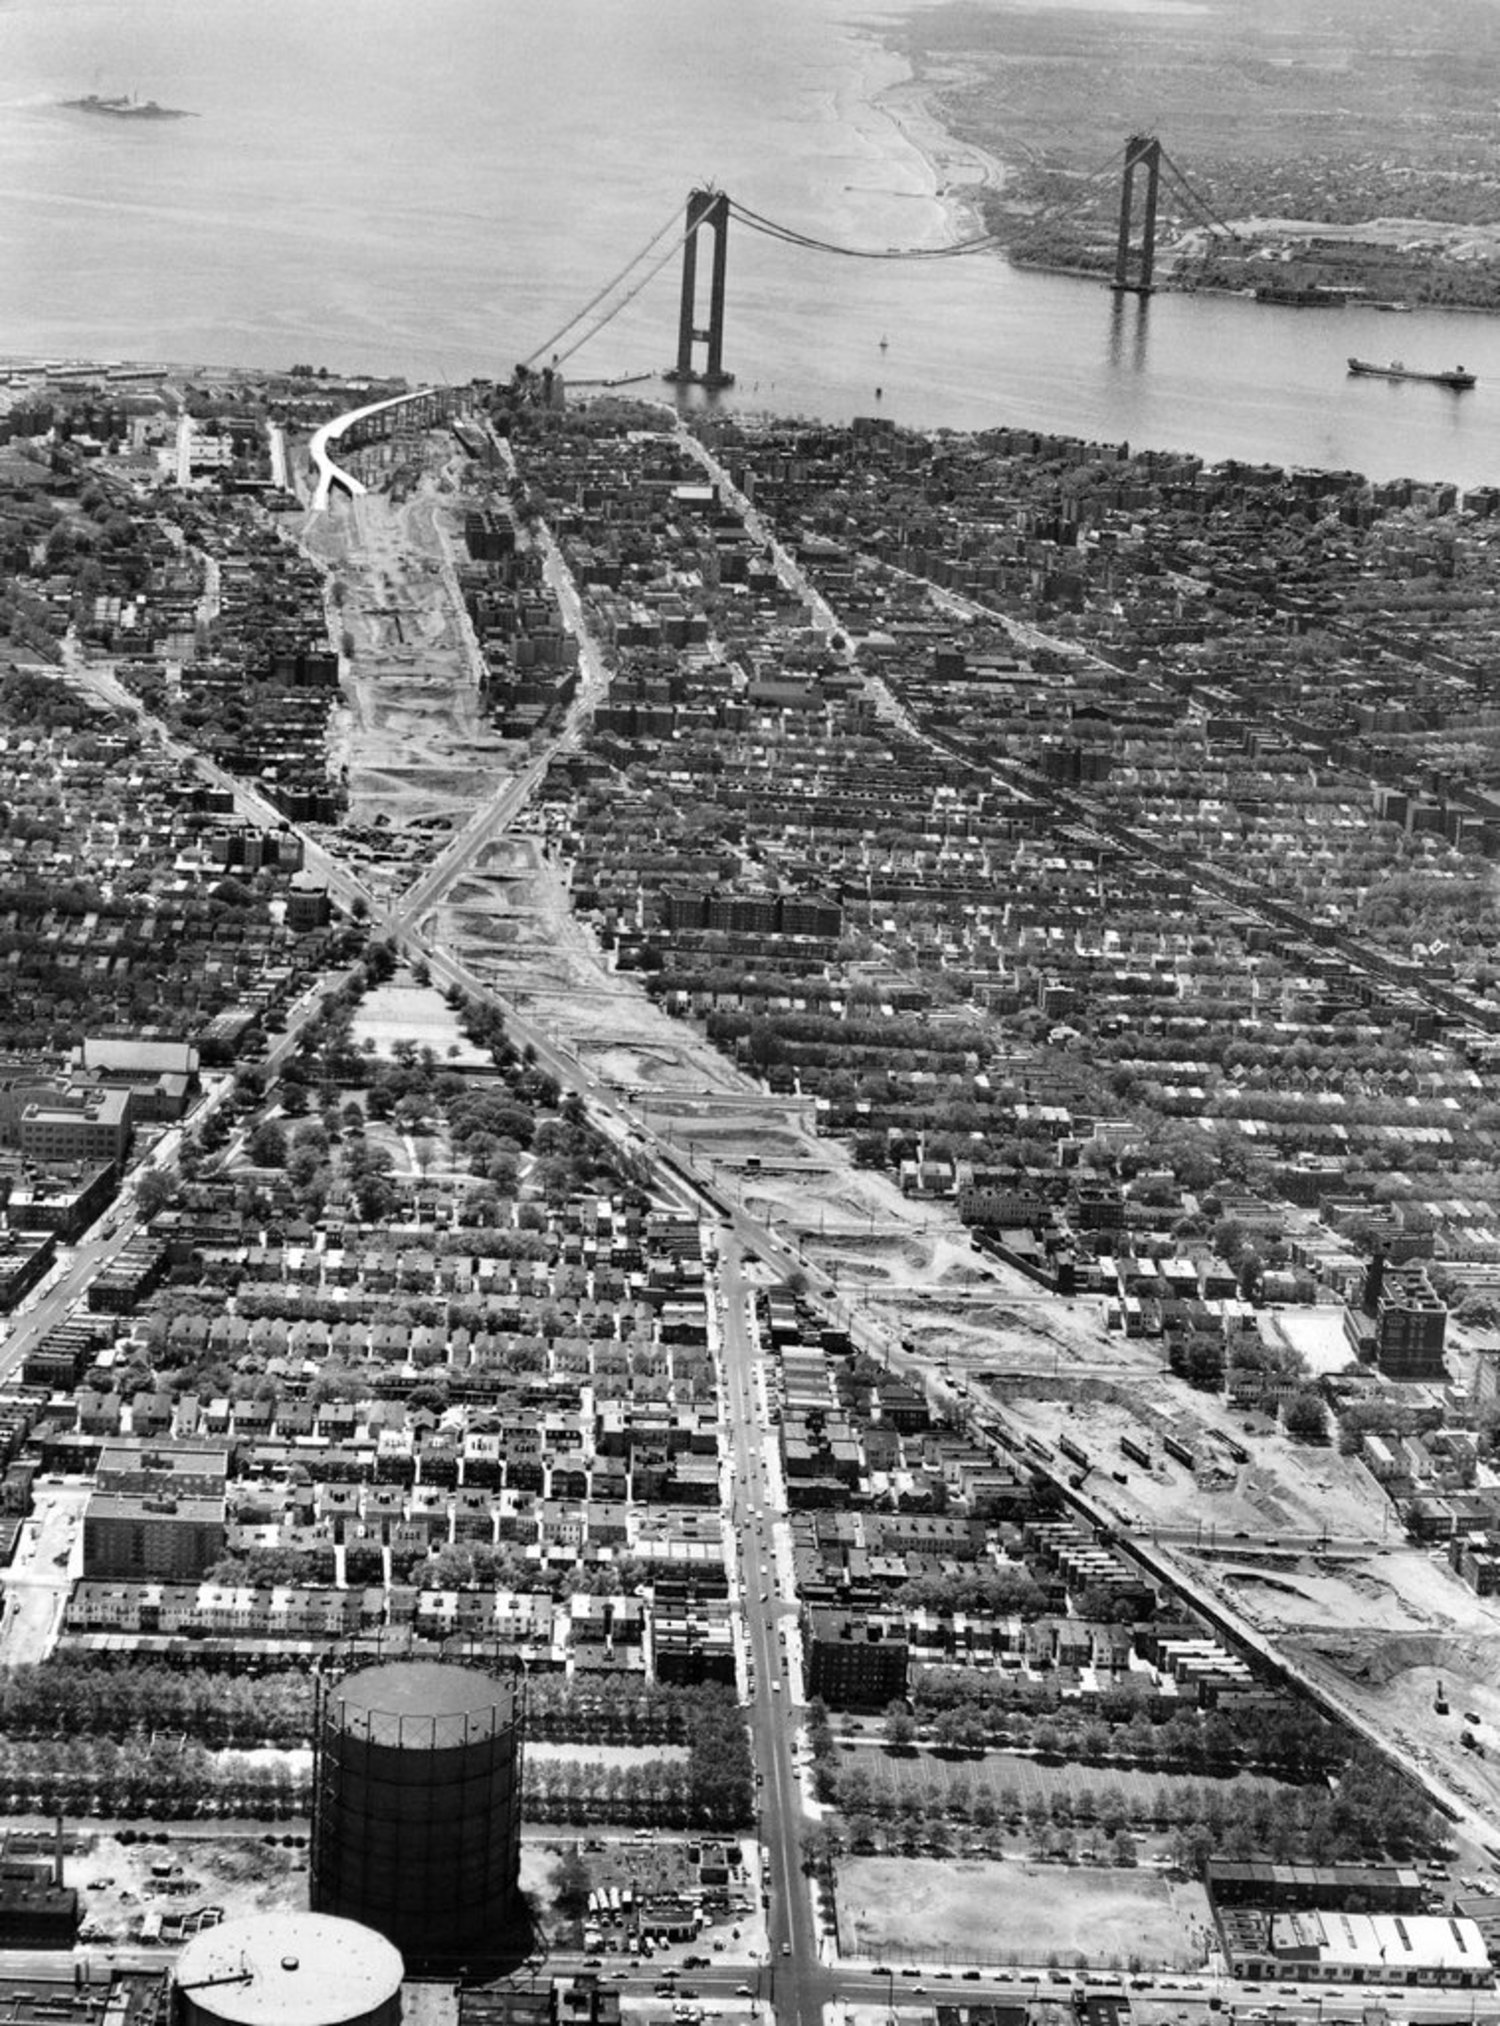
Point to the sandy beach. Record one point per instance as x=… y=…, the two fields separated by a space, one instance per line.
x=960 y=170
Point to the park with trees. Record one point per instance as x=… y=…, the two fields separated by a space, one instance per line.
x=110 y=1738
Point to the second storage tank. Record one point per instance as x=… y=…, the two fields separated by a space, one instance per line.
x=287 y=1969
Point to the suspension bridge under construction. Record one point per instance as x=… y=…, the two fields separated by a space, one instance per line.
x=699 y=358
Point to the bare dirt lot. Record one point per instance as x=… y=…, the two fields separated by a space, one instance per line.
x=974 y=1911
x=404 y=1011
x=1297 y=1488
x=178 y=1876
x=1392 y=1672
x=411 y=732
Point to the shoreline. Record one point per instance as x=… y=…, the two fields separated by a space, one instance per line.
x=958 y=170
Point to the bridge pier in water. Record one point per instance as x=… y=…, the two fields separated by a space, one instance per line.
x=707 y=211
x=1142 y=151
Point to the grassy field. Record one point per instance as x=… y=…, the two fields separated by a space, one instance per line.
x=897 y=1910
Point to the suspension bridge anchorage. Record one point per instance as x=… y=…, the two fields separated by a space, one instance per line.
x=707 y=211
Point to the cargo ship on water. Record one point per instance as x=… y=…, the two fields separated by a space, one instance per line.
x=1455 y=378
x=125 y=107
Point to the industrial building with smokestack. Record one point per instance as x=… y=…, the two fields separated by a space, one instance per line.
x=37 y=1910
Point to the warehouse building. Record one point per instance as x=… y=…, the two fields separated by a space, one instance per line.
x=1355 y=1948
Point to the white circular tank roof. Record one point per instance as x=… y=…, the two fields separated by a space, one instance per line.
x=292 y=1969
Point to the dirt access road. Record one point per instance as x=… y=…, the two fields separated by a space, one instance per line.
x=411 y=730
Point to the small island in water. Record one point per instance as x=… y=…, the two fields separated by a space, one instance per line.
x=126 y=108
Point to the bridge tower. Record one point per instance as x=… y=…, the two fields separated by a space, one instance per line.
x=1142 y=151
x=707 y=211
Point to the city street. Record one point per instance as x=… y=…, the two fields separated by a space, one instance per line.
x=791 y=1927
x=41 y=1573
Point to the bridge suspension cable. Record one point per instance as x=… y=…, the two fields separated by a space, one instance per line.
x=559 y=358
x=789 y=235
x=1110 y=166
x=1066 y=201
x=1198 y=203
x=613 y=283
